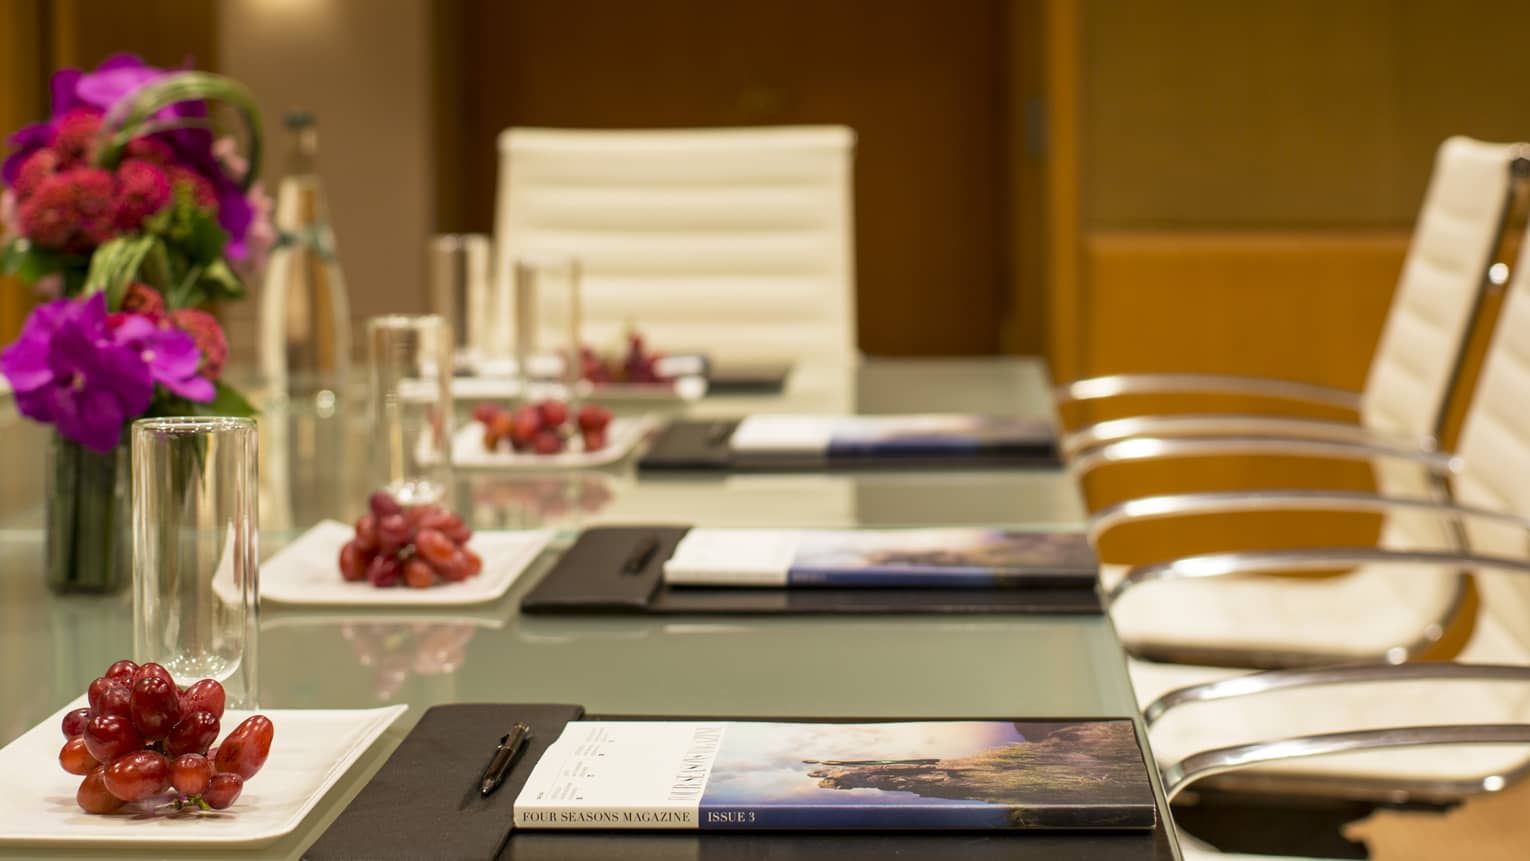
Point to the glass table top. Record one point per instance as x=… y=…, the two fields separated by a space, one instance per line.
x=911 y=666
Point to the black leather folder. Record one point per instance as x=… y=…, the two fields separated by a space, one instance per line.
x=423 y=804
x=601 y=573
x=703 y=445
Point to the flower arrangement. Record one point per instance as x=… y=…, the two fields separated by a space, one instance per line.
x=130 y=214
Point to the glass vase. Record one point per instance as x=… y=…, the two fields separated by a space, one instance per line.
x=89 y=520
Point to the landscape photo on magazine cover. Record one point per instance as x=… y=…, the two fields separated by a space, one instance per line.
x=1034 y=774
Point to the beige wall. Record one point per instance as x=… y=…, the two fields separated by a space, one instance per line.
x=363 y=68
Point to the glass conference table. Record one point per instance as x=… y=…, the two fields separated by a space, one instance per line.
x=993 y=666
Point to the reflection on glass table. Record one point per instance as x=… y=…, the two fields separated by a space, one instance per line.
x=313 y=467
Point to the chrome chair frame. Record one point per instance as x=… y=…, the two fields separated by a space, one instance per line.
x=1223 y=761
x=1105 y=432
x=1437 y=466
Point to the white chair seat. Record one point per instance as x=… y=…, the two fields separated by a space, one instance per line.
x=1197 y=727
x=1287 y=614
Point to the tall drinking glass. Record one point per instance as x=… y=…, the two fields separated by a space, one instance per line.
x=411 y=372
x=195 y=558
x=548 y=302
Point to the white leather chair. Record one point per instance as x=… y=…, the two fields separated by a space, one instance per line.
x=734 y=242
x=1464 y=213
x=1195 y=707
x=1263 y=622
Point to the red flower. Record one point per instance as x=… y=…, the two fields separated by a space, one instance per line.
x=76 y=141
x=150 y=150
x=142 y=190
x=201 y=189
x=39 y=166
x=143 y=299
x=207 y=335
x=72 y=210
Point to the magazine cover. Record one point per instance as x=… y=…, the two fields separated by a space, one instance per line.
x=904 y=558
x=903 y=775
x=821 y=439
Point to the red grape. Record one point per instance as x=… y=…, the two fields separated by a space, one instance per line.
x=75 y=758
x=246 y=748
x=110 y=736
x=223 y=790
x=454 y=569
x=116 y=701
x=74 y=722
x=138 y=775
x=382 y=504
x=366 y=532
x=525 y=424
x=393 y=533
x=192 y=734
x=384 y=571
x=205 y=696
x=456 y=530
x=474 y=562
x=484 y=413
x=121 y=672
x=547 y=442
x=594 y=440
x=353 y=562
x=554 y=413
x=434 y=546
x=152 y=669
x=156 y=707
x=96 y=690
x=418 y=574
x=93 y=796
x=190 y=773
x=593 y=417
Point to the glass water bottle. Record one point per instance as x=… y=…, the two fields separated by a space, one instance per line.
x=305 y=331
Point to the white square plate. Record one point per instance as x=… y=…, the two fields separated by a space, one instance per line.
x=312 y=749
x=307 y=572
x=622 y=436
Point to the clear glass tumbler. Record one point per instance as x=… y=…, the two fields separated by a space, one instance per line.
x=548 y=322
x=196 y=589
x=411 y=398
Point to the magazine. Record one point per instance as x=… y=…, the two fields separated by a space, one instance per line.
x=896 y=775
x=903 y=558
x=809 y=441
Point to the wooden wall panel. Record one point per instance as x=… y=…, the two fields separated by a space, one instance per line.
x=921 y=83
x=1300 y=113
x=1302 y=306
x=23 y=77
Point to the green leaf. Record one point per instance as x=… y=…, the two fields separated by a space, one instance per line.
x=29 y=262
x=114 y=266
x=220 y=282
x=133 y=117
x=207 y=238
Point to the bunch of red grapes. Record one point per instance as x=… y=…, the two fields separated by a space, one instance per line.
x=142 y=736
x=638 y=366
x=419 y=545
x=543 y=428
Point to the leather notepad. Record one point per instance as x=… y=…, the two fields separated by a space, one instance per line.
x=424 y=802
x=726 y=377
x=707 y=445
x=598 y=574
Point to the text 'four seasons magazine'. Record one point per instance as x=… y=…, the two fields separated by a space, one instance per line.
x=908 y=775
